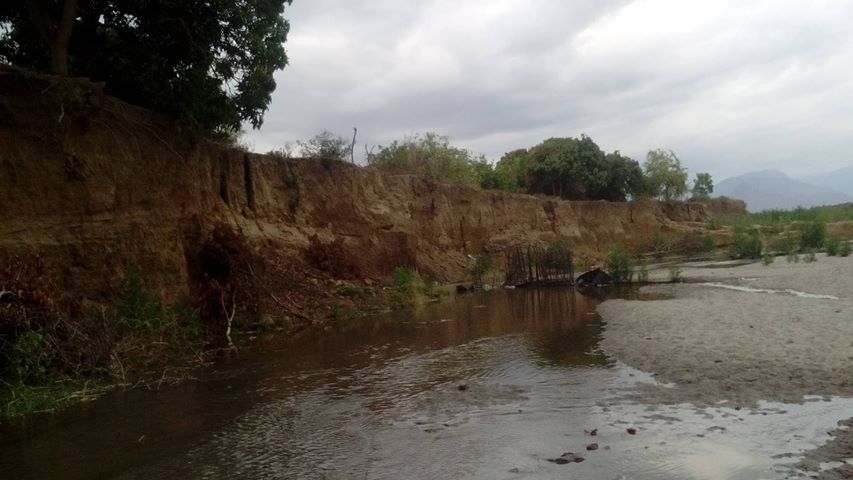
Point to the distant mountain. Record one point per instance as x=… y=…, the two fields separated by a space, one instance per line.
x=840 y=180
x=771 y=189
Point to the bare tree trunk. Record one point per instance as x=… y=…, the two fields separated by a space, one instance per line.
x=55 y=35
x=352 y=146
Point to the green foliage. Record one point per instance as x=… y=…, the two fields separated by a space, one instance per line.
x=823 y=214
x=783 y=244
x=810 y=256
x=768 y=258
x=746 y=245
x=431 y=155
x=402 y=287
x=845 y=249
x=326 y=147
x=832 y=244
x=482 y=264
x=703 y=187
x=619 y=266
x=665 y=177
x=715 y=224
x=577 y=169
x=138 y=308
x=349 y=290
x=813 y=235
x=674 y=274
x=708 y=243
x=512 y=171
x=209 y=64
x=28 y=358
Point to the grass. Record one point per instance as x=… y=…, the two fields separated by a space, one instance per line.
x=824 y=214
x=619 y=266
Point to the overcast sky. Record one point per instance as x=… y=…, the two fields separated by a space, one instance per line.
x=730 y=86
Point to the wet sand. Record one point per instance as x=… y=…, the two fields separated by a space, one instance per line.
x=786 y=337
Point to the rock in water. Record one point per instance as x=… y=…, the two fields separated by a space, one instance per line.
x=568 y=457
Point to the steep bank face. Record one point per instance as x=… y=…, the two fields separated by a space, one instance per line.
x=96 y=186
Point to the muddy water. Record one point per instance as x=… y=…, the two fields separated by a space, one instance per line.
x=489 y=385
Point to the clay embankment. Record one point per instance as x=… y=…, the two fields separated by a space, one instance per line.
x=95 y=186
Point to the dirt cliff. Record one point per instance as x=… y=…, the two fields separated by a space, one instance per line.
x=94 y=185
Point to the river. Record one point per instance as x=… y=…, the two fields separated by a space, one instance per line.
x=486 y=385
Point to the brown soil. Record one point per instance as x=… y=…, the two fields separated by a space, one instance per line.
x=95 y=186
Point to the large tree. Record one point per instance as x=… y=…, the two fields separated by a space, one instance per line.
x=209 y=63
x=571 y=168
x=665 y=177
x=703 y=186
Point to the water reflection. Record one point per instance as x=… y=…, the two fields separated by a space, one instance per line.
x=381 y=399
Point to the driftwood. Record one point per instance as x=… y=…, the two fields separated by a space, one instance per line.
x=538 y=266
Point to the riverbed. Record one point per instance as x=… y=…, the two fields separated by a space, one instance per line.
x=496 y=385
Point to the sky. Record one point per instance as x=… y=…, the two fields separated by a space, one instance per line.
x=729 y=86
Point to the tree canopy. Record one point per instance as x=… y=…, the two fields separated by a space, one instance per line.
x=665 y=177
x=703 y=186
x=209 y=63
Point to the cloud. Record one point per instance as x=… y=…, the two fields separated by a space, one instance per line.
x=730 y=86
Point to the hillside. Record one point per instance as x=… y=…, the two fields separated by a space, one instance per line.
x=771 y=189
x=840 y=180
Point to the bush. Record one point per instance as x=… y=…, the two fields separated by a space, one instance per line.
x=845 y=249
x=403 y=280
x=792 y=257
x=482 y=264
x=746 y=245
x=810 y=257
x=783 y=244
x=832 y=244
x=326 y=147
x=619 y=266
x=813 y=235
x=768 y=258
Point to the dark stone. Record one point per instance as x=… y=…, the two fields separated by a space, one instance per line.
x=592 y=446
x=596 y=276
x=568 y=457
x=462 y=388
x=631 y=431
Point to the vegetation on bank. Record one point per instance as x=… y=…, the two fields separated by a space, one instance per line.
x=569 y=168
x=777 y=218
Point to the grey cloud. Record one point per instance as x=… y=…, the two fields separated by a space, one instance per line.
x=729 y=87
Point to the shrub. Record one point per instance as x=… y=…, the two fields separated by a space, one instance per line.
x=768 y=258
x=619 y=266
x=832 y=245
x=783 y=244
x=349 y=290
x=660 y=245
x=813 y=235
x=482 y=264
x=326 y=147
x=401 y=290
x=810 y=257
x=746 y=245
x=715 y=224
x=845 y=249
x=792 y=257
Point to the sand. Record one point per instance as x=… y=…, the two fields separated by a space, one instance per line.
x=715 y=344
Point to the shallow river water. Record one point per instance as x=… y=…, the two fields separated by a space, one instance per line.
x=488 y=385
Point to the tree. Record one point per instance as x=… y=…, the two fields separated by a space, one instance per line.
x=665 y=178
x=703 y=186
x=512 y=169
x=209 y=63
x=624 y=179
x=326 y=147
x=570 y=168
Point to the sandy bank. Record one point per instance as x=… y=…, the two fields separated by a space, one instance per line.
x=715 y=344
